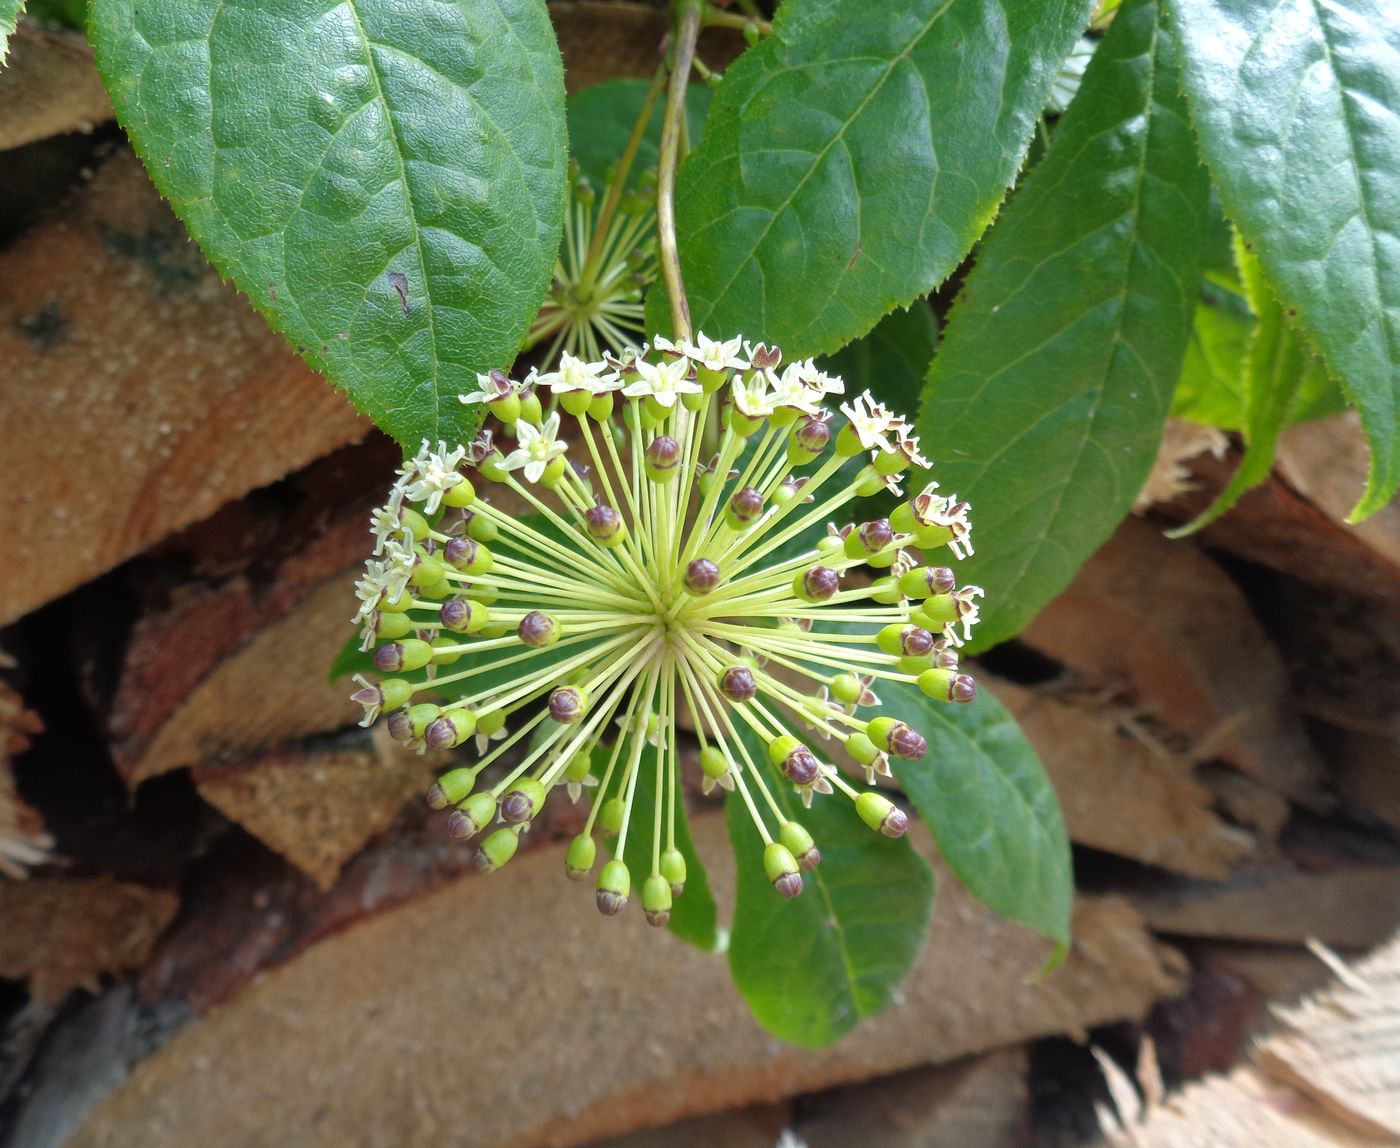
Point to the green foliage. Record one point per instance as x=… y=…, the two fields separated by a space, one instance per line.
x=1045 y=404
x=70 y=12
x=1211 y=388
x=385 y=182
x=985 y=796
x=9 y=17
x=601 y=119
x=1295 y=108
x=813 y=967
x=1276 y=365
x=851 y=160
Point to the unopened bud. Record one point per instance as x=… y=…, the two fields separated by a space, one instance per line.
x=881 y=814
x=897 y=738
x=567 y=704
x=496 y=850
x=799 y=843
x=905 y=641
x=538 y=629
x=781 y=868
x=701 y=576
x=452 y=787
x=451 y=729
x=673 y=869
x=522 y=801
x=404 y=656
x=738 y=684
x=926 y=581
x=817 y=584
x=656 y=900
x=614 y=888
x=745 y=506
x=578 y=862
x=472 y=816
x=663 y=458
x=604 y=525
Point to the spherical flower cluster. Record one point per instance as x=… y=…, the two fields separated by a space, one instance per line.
x=667 y=569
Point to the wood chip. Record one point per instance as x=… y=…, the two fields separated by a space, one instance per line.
x=1162 y=621
x=1182 y=441
x=318 y=807
x=412 y=1000
x=49 y=86
x=161 y=393
x=1116 y=794
x=23 y=841
x=60 y=934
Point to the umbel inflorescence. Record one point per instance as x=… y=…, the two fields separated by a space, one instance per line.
x=666 y=569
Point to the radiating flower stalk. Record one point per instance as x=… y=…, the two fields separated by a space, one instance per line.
x=664 y=571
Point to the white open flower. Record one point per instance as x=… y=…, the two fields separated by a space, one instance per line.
x=871 y=422
x=495 y=385
x=431 y=474
x=818 y=381
x=714 y=355
x=791 y=390
x=535 y=447
x=908 y=445
x=576 y=375
x=752 y=397
x=664 y=382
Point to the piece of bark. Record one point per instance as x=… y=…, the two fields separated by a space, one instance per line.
x=49 y=86
x=599 y=1027
x=318 y=807
x=1170 y=477
x=1331 y=1079
x=141 y=393
x=980 y=1102
x=23 y=841
x=1160 y=619
x=1116 y=794
x=1245 y=800
x=1349 y=908
x=60 y=934
x=1274 y=526
x=761 y=1126
x=1366 y=772
x=1326 y=461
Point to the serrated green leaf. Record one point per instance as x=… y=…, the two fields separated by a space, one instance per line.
x=385 y=181
x=1047 y=398
x=1295 y=106
x=891 y=359
x=811 y=968
x=1276 y=364
x=9 y=17
x=601 y=119
x=1210 y=390
x=852 y=158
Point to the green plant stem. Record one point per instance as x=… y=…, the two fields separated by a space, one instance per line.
x=673 y=121
x=718 y=18
x=619 y=181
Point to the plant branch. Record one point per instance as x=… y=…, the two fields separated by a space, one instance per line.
x=719 y=18
x=672 y=122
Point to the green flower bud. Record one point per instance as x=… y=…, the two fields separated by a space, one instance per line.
x=493 y=466
x=656 y=900
x=947 y=685
x=395 y=692
x=554 y=471
x=926 y=581
x=614 y=887
x=600 y=409
x=491 y=722
x=464 y=616
x=450 y=730
x=846 y=688
x=897 y=738
x=522 y=801
x=416 y=525
x=781 y=867
x=941 y=609
x=472 y=816
x=452 y=787
x=578 y=862
x=462 y=494
x=890 y=462
x=673 y=869
x=713 y=762
x=885 y=591
x=903 y=640
x=911 y=664
x=530 y=409
x=467 y=556
x=538 y=630
x=482 y=529
x=420 y=716
x=446 y=650
x=579 y=765
x=496 y=850
x=780 y=747
x=613 y=811
x=881 y=814
x=576 y=402
x=861 y=748
x=799 y=843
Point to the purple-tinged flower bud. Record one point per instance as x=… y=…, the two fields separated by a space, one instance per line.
x=881 y=814
x=538 y=629
x=663 y=458
x=906 y=641
x=817 y=584
x=800 y=844
x=745 y=505
x=614 y=887
x=944 y=656
x=963 y=689
x=398 y=657
x=450 y=730
x=567 y=704
x=467 y=555
x=808 y=438
x=869 y=538
x=522 y=801
x=928 y=581
x=801 y=766
x=399 y=725
x=604 y=524
x=463 y=616
x=480 y=448
x=472 y=816
x=452 y=787
x=656 y=900
x=781 y=868
x=673 y=869
x=765 y=358
x=897 y=738
x=701 y=576
x=738 y=684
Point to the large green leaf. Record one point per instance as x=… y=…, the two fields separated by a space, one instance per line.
x=1297 y=106
x=9 y=17
x=813 y=967
x=1211 y=387
x=852 y=158
x=985 y=796
x=385 y=181
x=1046 y=402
